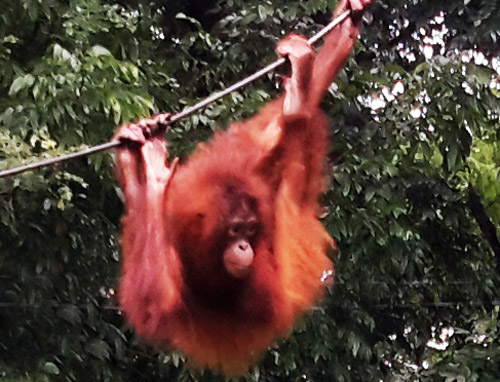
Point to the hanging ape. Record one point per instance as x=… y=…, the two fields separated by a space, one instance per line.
x=224 y=252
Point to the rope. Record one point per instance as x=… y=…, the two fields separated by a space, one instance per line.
x=426 y=304
x=183 y=114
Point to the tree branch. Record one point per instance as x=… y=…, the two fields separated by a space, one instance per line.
x=485 y=224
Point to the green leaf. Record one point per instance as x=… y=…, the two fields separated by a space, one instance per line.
x=98 y=349
x=451 y=157
x=99 y=50
x=71 y=314
x=51 y=368
x=21 y=83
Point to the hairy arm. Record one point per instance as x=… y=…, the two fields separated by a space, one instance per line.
x=304 y=137
x=151 y=271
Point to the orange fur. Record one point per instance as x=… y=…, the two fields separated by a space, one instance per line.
x=276 y=157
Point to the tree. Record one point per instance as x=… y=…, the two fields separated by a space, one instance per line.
x=414 y=202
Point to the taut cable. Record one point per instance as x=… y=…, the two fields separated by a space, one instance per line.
x=183 y=114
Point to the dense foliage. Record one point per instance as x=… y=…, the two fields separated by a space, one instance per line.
x=414 y=203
